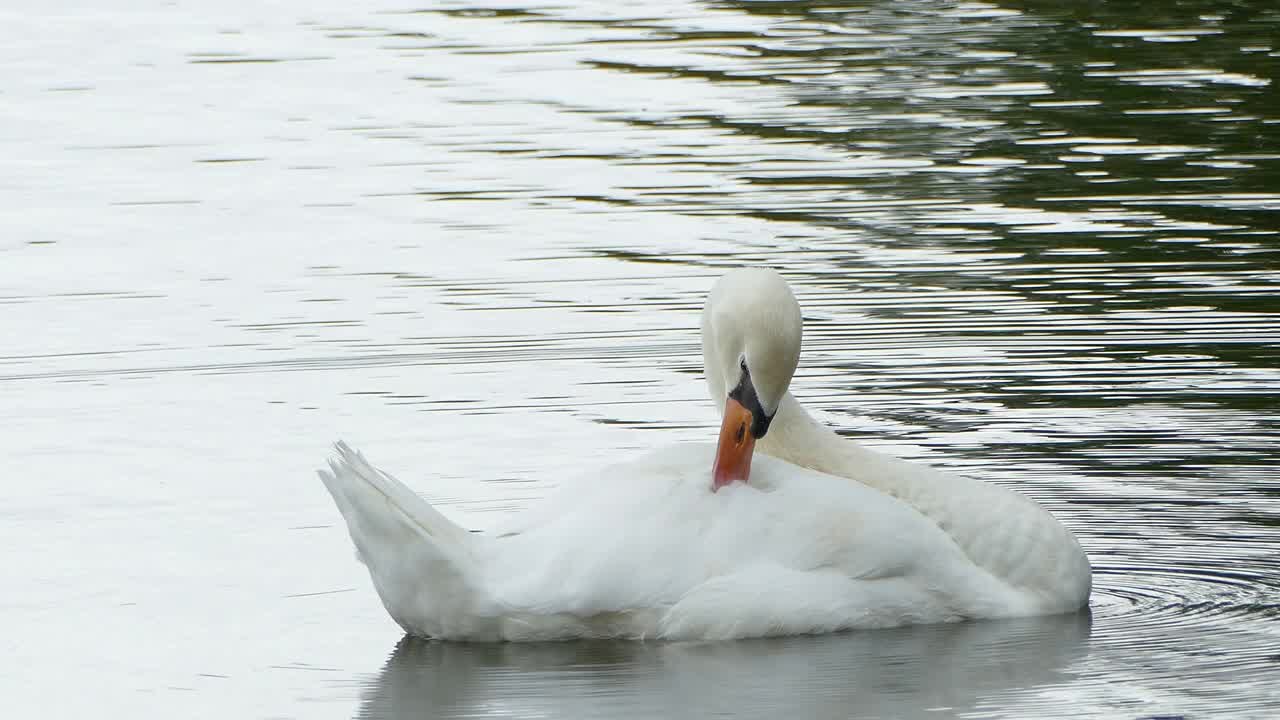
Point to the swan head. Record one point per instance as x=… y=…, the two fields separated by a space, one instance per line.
x=751 y=330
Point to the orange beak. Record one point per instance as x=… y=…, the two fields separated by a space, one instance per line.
x=733 y=454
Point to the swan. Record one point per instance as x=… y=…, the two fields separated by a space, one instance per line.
x=781 y=527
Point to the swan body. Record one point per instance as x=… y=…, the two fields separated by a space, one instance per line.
x=811 y=534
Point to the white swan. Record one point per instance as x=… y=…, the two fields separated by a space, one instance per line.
x=700 y=542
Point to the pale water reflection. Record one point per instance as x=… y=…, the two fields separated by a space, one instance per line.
x=902 y=673
x=1035 y=243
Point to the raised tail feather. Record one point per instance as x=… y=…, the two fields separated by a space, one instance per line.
x=423 y=566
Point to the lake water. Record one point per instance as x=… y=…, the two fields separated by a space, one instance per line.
x=1035 y=245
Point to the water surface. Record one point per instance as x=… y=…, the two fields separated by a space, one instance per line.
x=1034 y=245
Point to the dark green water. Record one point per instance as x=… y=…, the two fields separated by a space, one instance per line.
x=1036 y=244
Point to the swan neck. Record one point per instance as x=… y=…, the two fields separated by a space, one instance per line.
x=796 y=437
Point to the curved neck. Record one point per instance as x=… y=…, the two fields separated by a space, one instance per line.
x=796 y=437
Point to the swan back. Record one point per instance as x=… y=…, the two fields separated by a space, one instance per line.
x=999 y=530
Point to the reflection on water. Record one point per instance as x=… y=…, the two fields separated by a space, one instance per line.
x=1035 y=243
x=902 y=673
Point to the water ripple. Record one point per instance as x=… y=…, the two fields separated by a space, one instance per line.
x=1034 y=244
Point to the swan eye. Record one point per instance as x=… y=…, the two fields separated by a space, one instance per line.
x=742 y=363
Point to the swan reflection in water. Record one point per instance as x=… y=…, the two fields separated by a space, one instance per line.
x=901 y=673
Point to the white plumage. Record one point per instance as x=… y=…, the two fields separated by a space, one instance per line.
x=823 y=536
